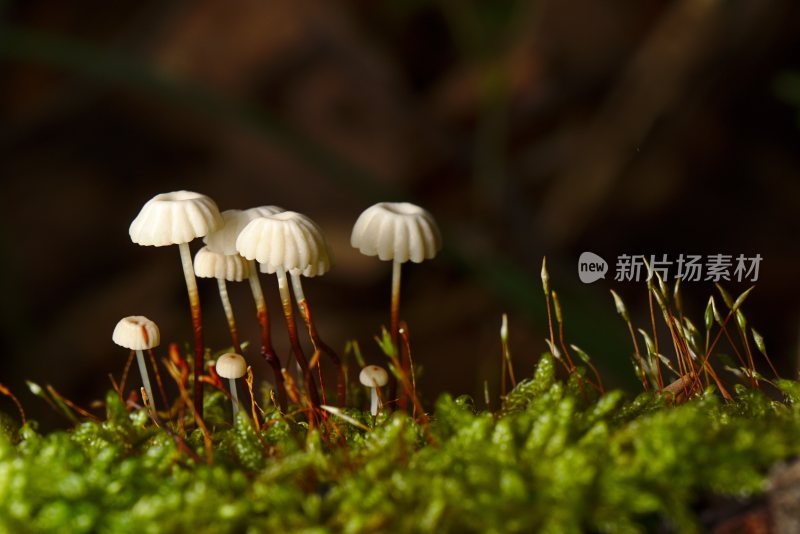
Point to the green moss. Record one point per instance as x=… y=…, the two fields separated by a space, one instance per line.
x=556 y=460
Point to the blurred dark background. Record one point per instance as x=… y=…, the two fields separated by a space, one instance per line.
x=527 y=128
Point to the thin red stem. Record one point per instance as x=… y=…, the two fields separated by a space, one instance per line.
x=323 y=347
x=197 y=325
x=267 y=350
x=291 y=327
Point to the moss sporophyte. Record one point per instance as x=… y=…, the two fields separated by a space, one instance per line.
x=560 y=454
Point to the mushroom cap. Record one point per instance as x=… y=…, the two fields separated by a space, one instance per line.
x=136 y=332
x=373 y=376
x=174 y=218
x=231 y=365
x=223 y=240
x=396 y=231
x=208 y=264
x=287 y=240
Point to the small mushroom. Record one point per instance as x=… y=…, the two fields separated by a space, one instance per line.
x=138 y=333
x=317 y=262
x=232 y=366
x=274 y=242
x=176 y=219
x=374 y=377
x=231 y=268
x=397 y=232
x=223 y=241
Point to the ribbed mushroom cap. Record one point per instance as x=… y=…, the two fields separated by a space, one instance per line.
x=175 y=218
x=231 y=365
x=397 y=231
x=287 y=240
x=223 y=240
x=136 y=332
x=233 y=268
x=373 y=376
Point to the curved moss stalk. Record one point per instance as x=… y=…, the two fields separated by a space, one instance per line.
x=267 y=350
x=316 y=340
x=291 y=326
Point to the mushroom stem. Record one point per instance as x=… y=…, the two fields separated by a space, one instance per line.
x=288 y=313
x=394 y=331
x=226 y=305
x=145 y=377
x=261 y=306
x=375 y=402
x=316 y=340
x=396 y=271
x=197 y=324
x=234 y=398
x=267 y=352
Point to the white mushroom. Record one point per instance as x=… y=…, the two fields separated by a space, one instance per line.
x=232 y=366
x=274 y=241
x=315 y=260
x=230 y=268
x=138 y=333
x=397 y=232
x=176 y=219
x=223 y=241
x=374 y=377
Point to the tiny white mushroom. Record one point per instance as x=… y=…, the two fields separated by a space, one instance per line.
x=177 y=218
x=306 y=236
x=374 y=377
x=274 y=242
x=232 y=366
x=138 y=333
x=223 y=241
x=225 y=268
x=397 y=232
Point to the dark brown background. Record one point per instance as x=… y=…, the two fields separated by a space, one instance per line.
x=526 y=128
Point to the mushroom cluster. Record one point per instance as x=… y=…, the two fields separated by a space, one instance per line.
x=284 y=243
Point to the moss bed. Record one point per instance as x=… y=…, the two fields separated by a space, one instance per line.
x=555 y=459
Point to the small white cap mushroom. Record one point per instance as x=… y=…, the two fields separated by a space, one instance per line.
x=175 y=218
x=373 y=376
x=289 y=241
x=223 y=240
x=231 y=366
x=396 y=231
x=208 y=264
x=136 y=333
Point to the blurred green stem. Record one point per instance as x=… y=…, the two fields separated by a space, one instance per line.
x=115 y=68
